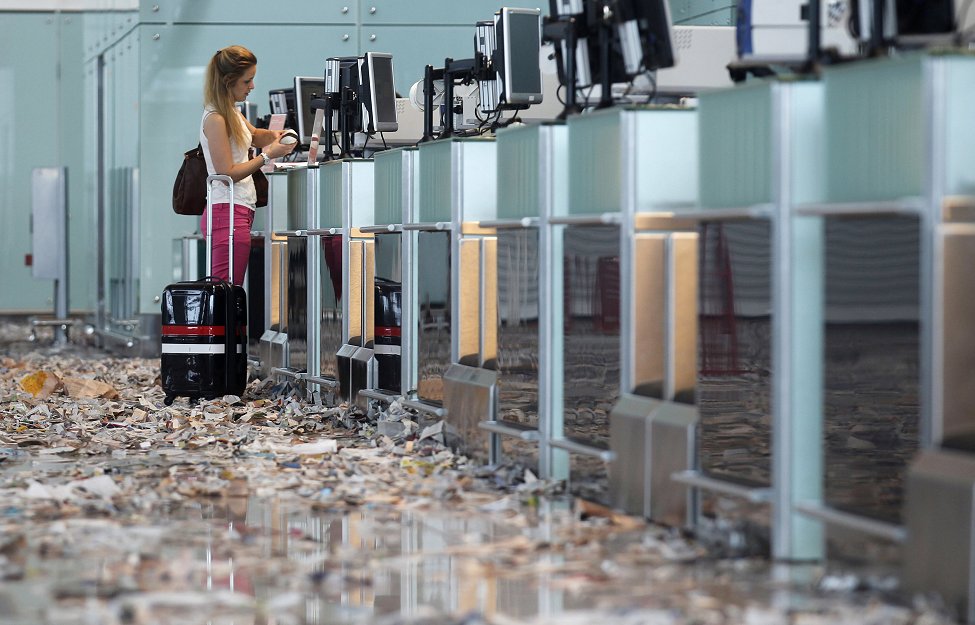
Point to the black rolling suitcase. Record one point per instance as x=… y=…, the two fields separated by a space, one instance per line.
x=204 y=329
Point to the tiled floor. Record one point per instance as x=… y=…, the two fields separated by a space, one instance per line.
x=269 y=511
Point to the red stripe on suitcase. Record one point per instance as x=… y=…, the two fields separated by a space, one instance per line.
x=194 y=330
x=388 y=331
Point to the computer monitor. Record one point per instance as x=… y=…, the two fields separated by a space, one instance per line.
x=921 y=19
x=307 y=89
x=282 y=102
x=518 y=40
x=905 y=22
x=377 y=93
x=645 y=35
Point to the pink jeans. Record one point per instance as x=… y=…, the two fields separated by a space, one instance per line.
x=243 y=219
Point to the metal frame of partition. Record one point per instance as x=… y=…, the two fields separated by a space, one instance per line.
x=796 y=429
x=930 y=209
x=402 y=205
x=451 y=198
x=298 y=210
x=936 y=474
x=312 y=375
x=547 y=166
x=470 y=386
x=357 y=196
x=272 y=346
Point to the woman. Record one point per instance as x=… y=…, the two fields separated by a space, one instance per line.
x=226 y=137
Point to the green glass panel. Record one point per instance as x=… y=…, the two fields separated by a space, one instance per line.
x=330 y=194
x=875 y=131
x=594 y=163
x=518 y=172
x=435 y=181
x=666 y=153
x=808 y=141
x=959 y=165
x=736 y=146
x=389 y=186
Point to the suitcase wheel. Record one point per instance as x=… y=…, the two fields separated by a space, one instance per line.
x=169 y=400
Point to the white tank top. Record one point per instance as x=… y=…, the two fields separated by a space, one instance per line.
x=244 y=191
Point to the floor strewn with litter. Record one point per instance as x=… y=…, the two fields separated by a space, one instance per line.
x=267 y=510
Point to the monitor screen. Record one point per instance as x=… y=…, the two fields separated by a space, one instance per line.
x=518 y=32
x=918 y=22
x=925 y=17
x=645 y=35
x=378 y=93
x=306 y=90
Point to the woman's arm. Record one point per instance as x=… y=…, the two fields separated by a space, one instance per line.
x=262 y=136
x=223 y=161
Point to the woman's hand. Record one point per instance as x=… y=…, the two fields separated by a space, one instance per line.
x=276 y=149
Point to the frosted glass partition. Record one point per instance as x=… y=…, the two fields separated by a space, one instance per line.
x=736 y=147
x=879 y=139
x=330 y=195
x=876 y=131
x=518 y=172
x=469 y=193
x=389 y=186
x=435 y=181
x=658 y=140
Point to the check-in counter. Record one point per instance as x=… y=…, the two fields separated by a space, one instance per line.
x=325 y=287
x=273 y=348
x=899 y=234
x=347 y=198
x=456 y=289
x=760 y=267
x=615 y=402
x=395 y=275
x=289 y=260
x=532 y=178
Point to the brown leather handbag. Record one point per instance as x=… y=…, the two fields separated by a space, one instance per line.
x=190 y=188
x=260 y=185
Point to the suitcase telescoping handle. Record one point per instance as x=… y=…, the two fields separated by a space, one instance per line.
x=230 y=324
x=231 y=208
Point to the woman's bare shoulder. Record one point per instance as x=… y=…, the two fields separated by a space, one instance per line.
x=213 y=117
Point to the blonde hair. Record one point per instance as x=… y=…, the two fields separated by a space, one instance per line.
x=224 y=69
